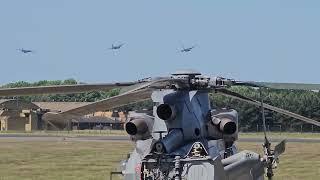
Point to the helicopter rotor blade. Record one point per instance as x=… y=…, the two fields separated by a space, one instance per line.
x=62 y=89
x=297 y=86
x=132 y=95
x=113 y=102
x=272 y=85
x=102 y=105
x=235 y=95
x=263 y=117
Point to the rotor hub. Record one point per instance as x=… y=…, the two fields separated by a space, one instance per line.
x=186 y=72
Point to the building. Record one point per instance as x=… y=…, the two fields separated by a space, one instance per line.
x=27 y=116
x=96 y=122
x=17 y=115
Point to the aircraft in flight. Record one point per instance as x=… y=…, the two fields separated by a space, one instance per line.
x=187 y=49
x=25 y=51
x=115 y=47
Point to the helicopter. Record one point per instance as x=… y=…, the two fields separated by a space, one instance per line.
x=185 y=138
x=115 y=47
x=25 y=51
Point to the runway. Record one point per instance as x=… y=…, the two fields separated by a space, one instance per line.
x=19 y=137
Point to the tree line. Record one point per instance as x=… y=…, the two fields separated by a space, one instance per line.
x=306 y=103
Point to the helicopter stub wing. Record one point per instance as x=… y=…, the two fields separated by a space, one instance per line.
x=62 y=89
x=238 y=96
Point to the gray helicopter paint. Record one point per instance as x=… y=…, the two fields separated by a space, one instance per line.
x=217 y=148
x=191 y=112
x=207 y=169
x=129 y=169
x=192 y=108
x=159 y=124
x=244 y=165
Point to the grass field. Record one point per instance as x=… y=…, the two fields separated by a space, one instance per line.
x=60 y=160
x=300 y=160
x=94 y=160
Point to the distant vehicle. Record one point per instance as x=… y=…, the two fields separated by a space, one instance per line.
x=115 y=47
x=187 y=49
x=26 y=51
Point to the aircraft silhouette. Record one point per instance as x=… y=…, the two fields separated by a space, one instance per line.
x=187 y=49
x=25 y=50
x=115 y=47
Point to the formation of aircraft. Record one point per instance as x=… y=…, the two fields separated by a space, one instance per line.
x=113 y=47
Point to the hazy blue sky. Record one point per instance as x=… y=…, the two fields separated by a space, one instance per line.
x=274 y=40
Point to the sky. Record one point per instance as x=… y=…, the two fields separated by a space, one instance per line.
x=274 y=40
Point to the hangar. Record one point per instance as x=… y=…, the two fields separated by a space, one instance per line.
x=18 y=115
x=27 y=116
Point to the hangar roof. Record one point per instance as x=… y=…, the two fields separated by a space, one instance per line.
x=13 y=104
x=60 y=106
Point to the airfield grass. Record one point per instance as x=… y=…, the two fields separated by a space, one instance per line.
x=300 y=160
x=61 y=160
x=34 y=160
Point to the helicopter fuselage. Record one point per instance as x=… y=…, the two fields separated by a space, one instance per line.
x=195 y=145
